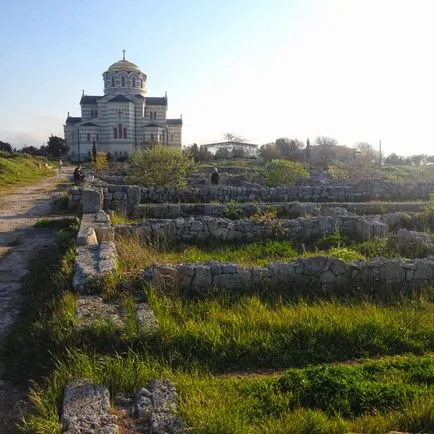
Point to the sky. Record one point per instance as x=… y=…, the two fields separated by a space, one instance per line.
x=354 y=70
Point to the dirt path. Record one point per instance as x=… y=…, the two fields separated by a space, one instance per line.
x=19 y=211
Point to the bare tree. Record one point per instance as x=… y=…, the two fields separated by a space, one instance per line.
x=290 y=149
x=326 y=147
x=365 y=161
x=419 y=159
x=230 y=137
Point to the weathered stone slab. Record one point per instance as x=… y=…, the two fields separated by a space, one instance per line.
x=85 y=409
x=91 y=200
x=91 y=310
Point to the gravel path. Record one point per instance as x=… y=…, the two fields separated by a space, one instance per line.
x=19 y=211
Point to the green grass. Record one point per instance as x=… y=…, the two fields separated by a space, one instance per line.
x=248 y=332
x=134 y=256
x=18 y=169
x=376 y=396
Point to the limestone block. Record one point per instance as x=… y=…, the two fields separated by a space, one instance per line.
x=104 y=232
x=424 y=270
x=86 y=236
x=202 y=276
x=392 y=271
x=133 y=194
x=327 y=277
x=91 y=199
x=230 y=282
x=281 y=272
x=85 y=407
x=145 y=316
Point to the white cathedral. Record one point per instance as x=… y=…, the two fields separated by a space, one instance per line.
x=123 y=120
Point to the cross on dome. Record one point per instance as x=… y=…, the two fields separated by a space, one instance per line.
x=123 y=51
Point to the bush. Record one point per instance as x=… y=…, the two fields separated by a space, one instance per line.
x=284 y=172
x=160 y=165
x=337 y=171
x=233 y=211
x=101 y=161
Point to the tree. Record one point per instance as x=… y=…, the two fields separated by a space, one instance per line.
x=290 y=149
x=230 y=137
x=160 y=165
x=325 y=146
x=419 y=159
x=57 y=147
x=6 y=147
x=284 y=172
x=394 y=160
x=308 y=153
x=222 y=154
x=269 y=152
x=365 y=162
x=31 y=150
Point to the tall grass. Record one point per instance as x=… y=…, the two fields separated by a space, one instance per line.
x=227 y=334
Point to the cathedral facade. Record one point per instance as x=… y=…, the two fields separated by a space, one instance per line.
x=123 y=120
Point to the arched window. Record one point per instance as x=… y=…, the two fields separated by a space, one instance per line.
x=115 y=133
x=123 y=81
x=113 y=81
x=134 y=81
x=141 y=83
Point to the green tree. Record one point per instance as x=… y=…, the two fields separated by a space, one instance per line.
x=56 y=147
x=222 y=154
x=5 y=146
x=160 y=165
x=284 y=172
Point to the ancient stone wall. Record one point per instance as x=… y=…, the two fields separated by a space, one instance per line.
x=127 y=198
x=157 y=231
x=312 y=276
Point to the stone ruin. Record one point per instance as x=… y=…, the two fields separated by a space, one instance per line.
x=86 y=407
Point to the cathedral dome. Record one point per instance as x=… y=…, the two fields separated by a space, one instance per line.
x=124 y=66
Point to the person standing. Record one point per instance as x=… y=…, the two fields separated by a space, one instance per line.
x=215 y=177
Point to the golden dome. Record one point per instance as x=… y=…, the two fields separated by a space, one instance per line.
x=124 y=66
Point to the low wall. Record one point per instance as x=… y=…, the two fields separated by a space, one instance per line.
x=204 y=228
x=316 y=275
x=95 y=252
x=126 y=198
x=286 y=209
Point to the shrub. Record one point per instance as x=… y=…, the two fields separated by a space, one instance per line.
x=284 y=172
x=334 y=240
x=160 y=165
x=101 y=161
x=337 y=171
x=346 y=390
x=233 y=211
x=264 y=216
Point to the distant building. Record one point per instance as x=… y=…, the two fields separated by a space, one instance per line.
x=248 y=149
x=122 y=120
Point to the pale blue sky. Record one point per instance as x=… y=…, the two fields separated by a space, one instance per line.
x=356 y=70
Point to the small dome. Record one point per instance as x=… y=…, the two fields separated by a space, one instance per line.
x=124 y=66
